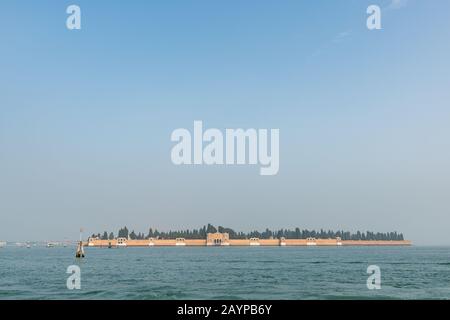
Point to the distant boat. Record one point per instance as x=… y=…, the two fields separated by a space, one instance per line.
x=2 y=244
x=51 y=244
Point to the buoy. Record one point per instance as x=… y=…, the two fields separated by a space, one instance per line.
x=80 y=250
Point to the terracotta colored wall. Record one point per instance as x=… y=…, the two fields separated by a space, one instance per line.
x=375 y=243
x=326 y=242
x=138 y=243
x=246 y=242
x=102 y=243
x=269 y=242
x=195 y=242
x=295 y=242
x=239 y=242
x=165 y=242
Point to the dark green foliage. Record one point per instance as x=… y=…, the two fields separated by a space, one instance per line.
x=296 y=233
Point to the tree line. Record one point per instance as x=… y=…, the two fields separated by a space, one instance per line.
x=267 y=234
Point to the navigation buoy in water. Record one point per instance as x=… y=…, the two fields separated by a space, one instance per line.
x=80 y=250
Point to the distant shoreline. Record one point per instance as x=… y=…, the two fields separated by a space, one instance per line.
x=222 y=239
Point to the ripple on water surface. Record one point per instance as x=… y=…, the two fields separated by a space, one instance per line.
x=226 y=273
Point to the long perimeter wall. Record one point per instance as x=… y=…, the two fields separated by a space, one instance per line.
x=239 y=242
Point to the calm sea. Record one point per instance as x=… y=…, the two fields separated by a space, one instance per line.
x=226 y=273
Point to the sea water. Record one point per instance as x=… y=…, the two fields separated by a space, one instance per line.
x=226 y=273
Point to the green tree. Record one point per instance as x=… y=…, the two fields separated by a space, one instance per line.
x=211 y=229
x=123 y=233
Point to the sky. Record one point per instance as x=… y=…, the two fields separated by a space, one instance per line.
x=86 y=116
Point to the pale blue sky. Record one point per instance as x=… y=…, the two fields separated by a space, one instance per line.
x=86 y=116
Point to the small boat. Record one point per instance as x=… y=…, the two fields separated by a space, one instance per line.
x=2 y=244
x=51 y=244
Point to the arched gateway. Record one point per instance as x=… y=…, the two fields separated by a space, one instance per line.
x=217 y=239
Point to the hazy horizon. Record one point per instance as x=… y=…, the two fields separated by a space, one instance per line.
x=145 y=232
